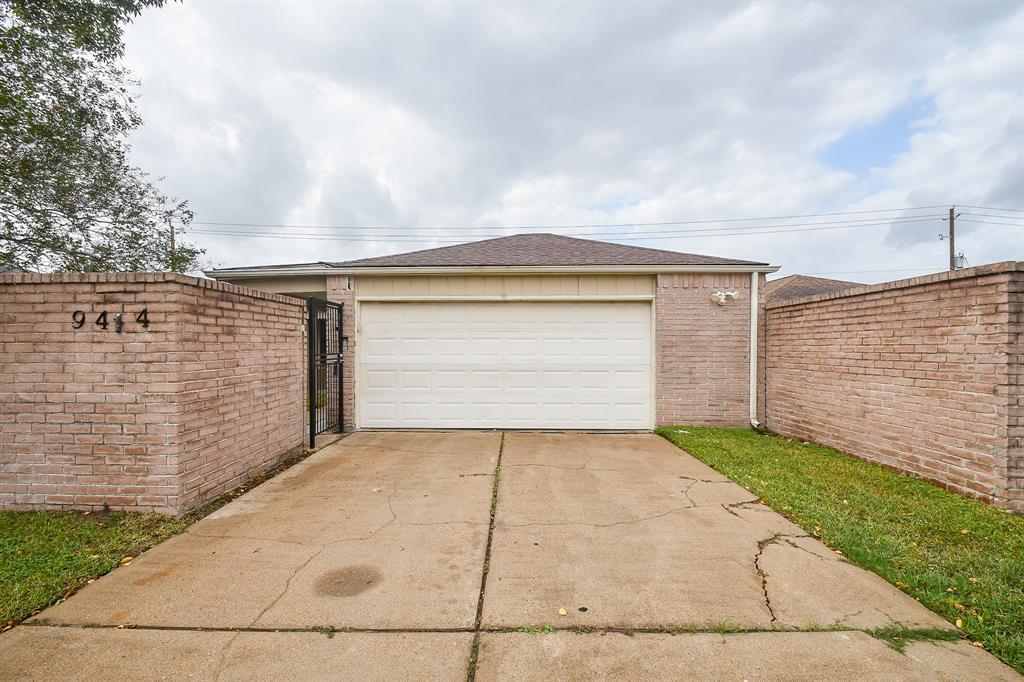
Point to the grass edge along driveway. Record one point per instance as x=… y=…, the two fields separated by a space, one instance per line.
x=961 y=558
x=47 y=556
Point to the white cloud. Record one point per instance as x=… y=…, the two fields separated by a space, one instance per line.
x=441 y=115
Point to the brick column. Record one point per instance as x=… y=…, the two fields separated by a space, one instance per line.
x=342 y=289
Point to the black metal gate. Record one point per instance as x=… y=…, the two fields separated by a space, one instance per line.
x=326 y=344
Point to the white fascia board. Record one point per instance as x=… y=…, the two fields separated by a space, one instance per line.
x=257 y=272
x=550 y=269
x=587 y=298
x=291 y=271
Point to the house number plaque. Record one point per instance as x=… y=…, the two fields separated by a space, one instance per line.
x=103 y=320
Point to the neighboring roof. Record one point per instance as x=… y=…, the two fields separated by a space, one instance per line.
x=798 y=286
x=539 y=249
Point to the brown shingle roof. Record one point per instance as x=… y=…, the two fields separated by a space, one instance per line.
x=539 y=249
x=798 y=286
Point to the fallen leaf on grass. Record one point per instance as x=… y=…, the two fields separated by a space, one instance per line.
x=959 y=623
x=125 y=561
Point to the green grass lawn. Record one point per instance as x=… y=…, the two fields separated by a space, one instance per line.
x=45 y=556
x=961 y=558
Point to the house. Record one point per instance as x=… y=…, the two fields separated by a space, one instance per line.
x=798 y=286
x=539 y=331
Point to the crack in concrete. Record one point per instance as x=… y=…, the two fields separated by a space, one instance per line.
x=288 y=584
x=686 y=492
x=418 y=453
x=705 y=480
x=730 y=507
x=842 y=619
x=596 y=525
x=318 y=552
x=582 y=467
x=221 y=660
x=792 y=544
x=250 y=537
x=764 y=576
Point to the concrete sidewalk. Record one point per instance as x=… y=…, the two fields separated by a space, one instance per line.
x=366 y=561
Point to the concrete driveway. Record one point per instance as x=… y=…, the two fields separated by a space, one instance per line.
x=378 y=558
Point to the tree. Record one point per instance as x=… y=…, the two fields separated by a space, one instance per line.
x=69 y=198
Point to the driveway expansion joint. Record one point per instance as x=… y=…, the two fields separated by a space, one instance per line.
x=475 y=648
x=521 y=629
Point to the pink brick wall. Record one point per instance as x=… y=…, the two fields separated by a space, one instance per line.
x=916 y=375
x=163 y=418
x=702 y=352
x=1015 y=457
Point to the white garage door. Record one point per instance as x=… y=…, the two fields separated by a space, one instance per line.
x=505 y=365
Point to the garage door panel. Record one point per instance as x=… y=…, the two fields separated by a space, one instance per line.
x=451 y=348
x=632 y=380
x=522 y=380
x=595 y=379
x=450 y=379
x=377 y=379
x=375 y=348
x=557 y=379
x=485 y=380
x=527 y=365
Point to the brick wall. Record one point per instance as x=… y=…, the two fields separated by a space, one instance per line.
x=1015 y=450
x=916 y=375
x=702 y=352
x=161 y=418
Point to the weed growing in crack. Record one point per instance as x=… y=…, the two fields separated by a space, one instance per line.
x=898 y=638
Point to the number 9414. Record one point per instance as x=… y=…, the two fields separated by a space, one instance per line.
x=103 y=320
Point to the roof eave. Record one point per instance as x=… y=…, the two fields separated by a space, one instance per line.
x=269 y=271
x=547 y=269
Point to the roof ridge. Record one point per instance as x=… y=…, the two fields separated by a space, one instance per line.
x=433 y=248
x=539 y=248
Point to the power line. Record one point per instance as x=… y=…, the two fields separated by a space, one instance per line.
x=993 y=215
x=857 y=272
x=623 y=237
x=993 y=208
x=569 y=227
x=850 y=222
x=989 y=222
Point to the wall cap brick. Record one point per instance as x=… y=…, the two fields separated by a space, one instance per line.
x=141 y=277
x=965 y=273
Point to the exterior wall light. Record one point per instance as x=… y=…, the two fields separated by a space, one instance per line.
x=720 y=297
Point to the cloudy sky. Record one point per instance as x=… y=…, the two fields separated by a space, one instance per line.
x=413 y=125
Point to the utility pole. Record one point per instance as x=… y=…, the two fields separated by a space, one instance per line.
x=952 y=238
x=170 y=223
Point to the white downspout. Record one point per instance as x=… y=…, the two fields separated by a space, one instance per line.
x=753 y=350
